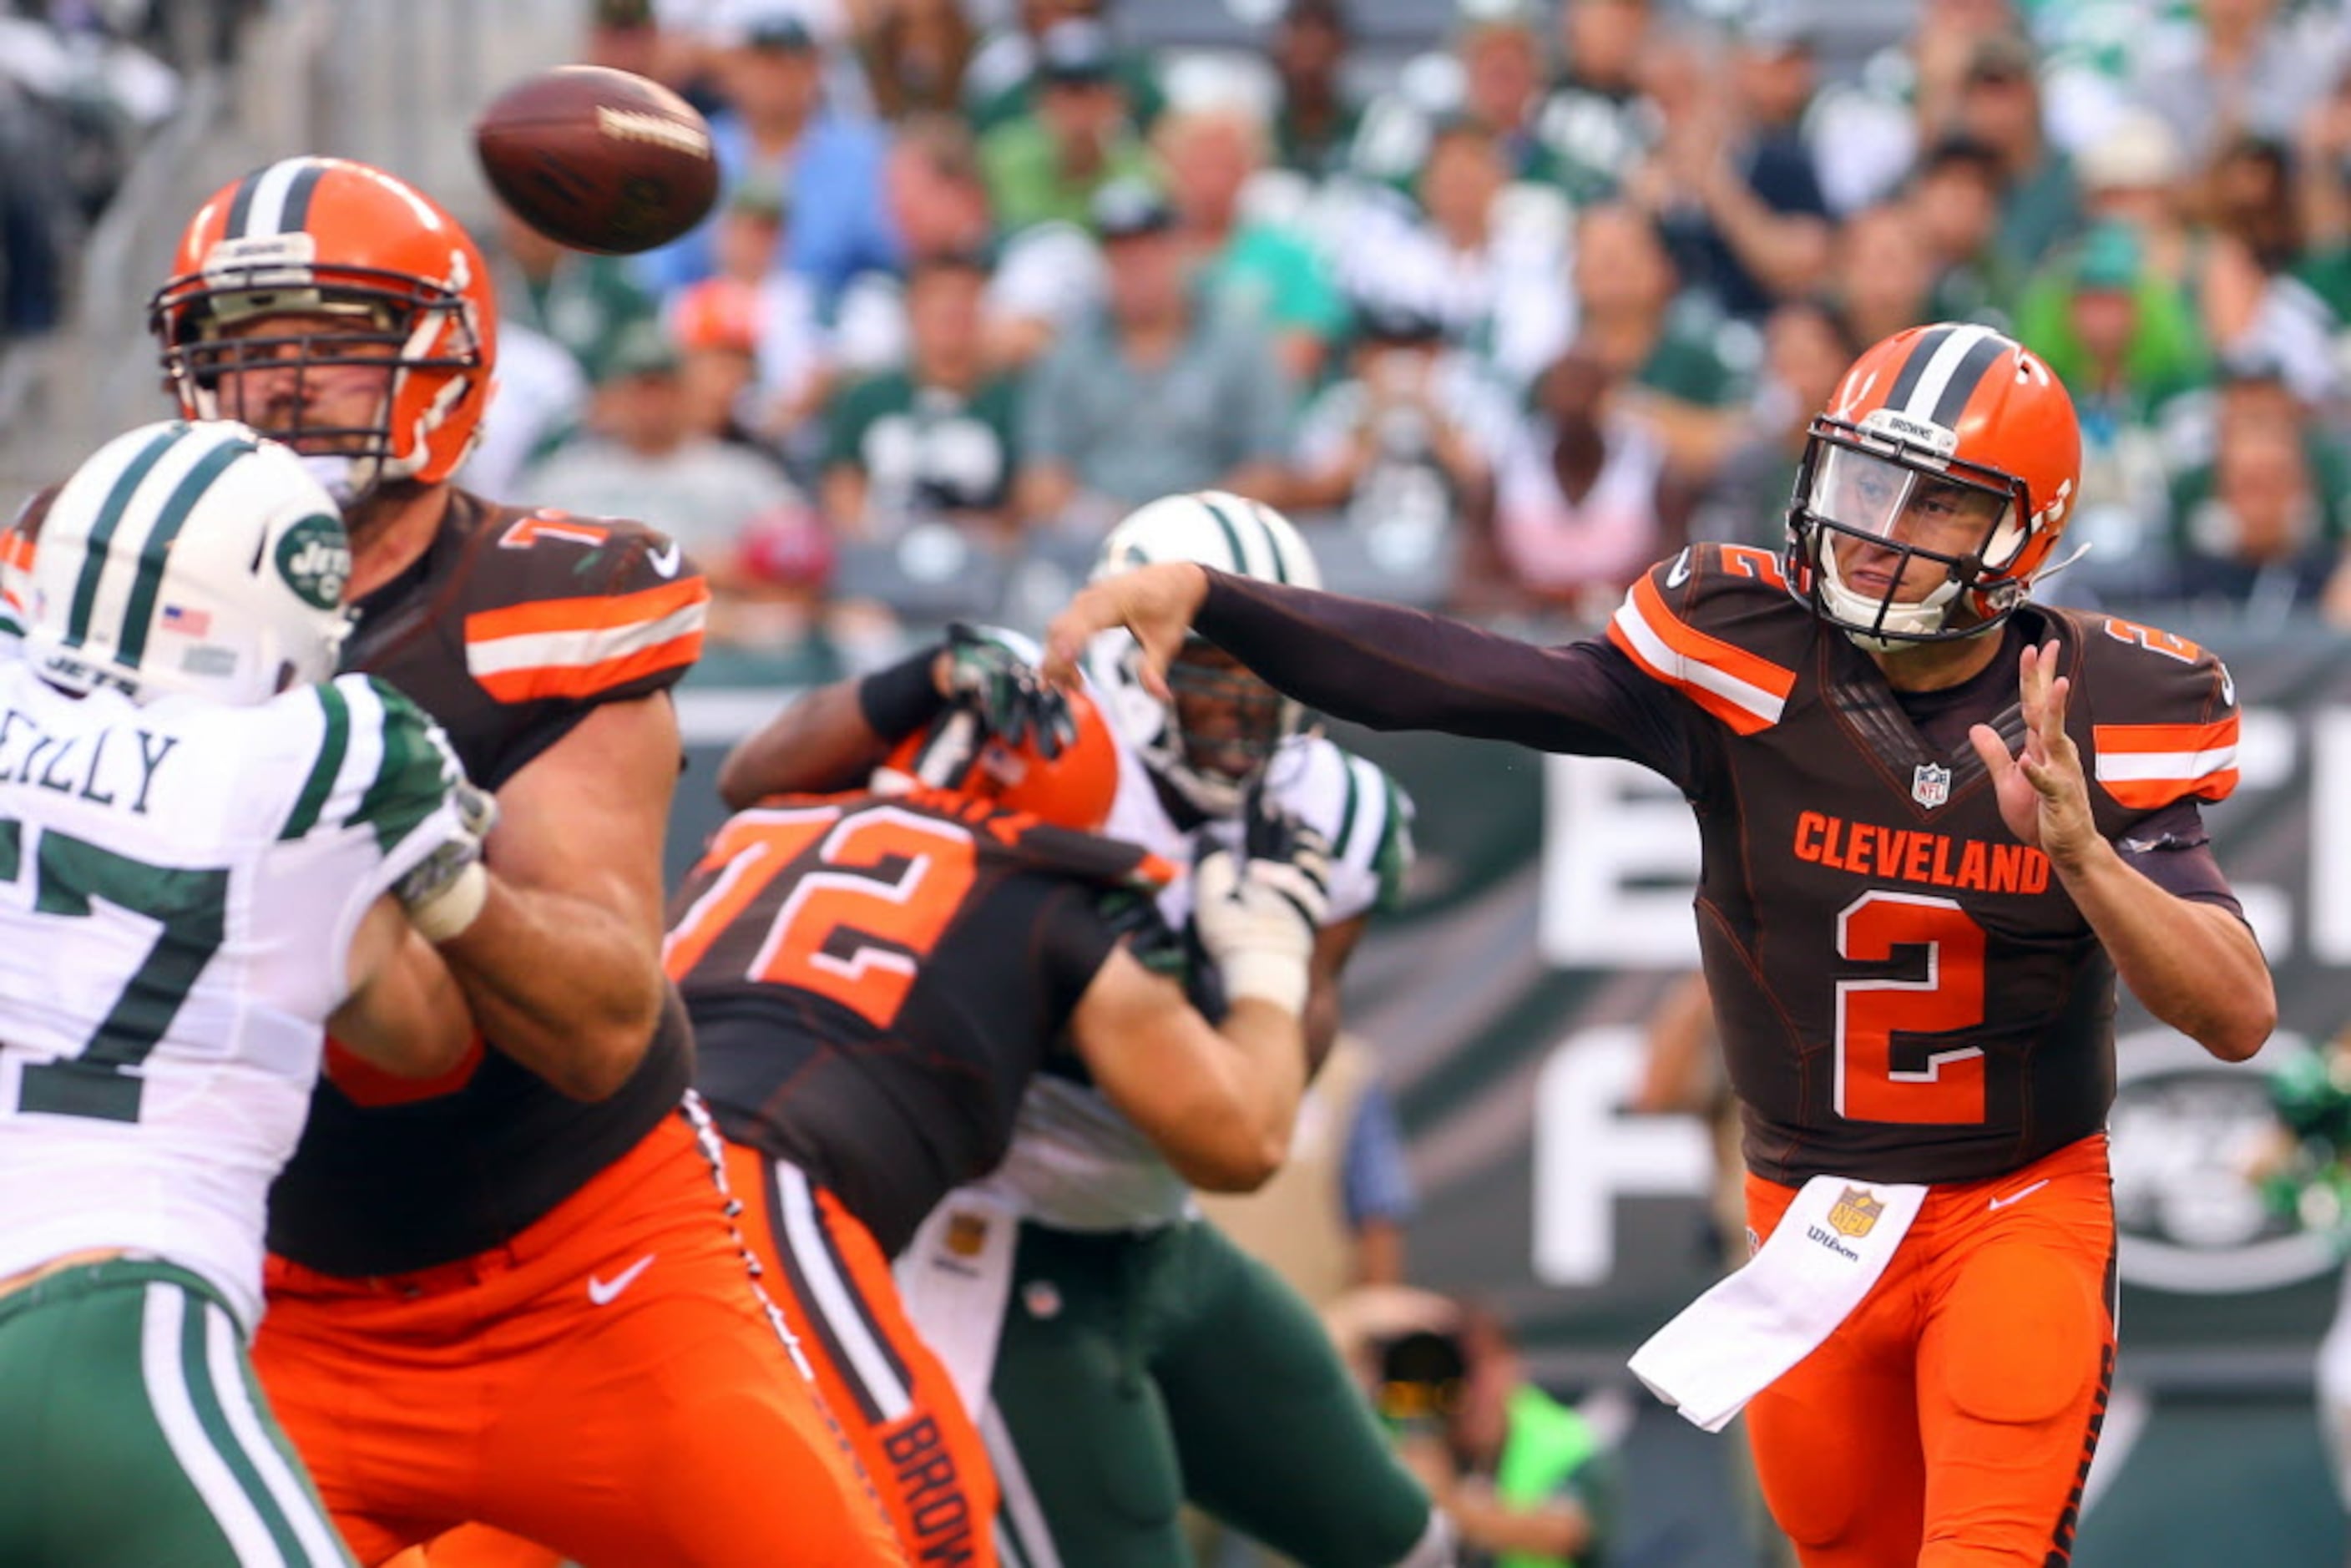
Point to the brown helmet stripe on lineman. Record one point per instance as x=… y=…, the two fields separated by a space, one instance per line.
x=273 y=199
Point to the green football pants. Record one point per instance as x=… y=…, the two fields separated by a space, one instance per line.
x=1137 y=1370
x=133 y=1434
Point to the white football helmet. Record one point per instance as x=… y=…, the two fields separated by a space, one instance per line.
x=1235 y=722
x=190 y=556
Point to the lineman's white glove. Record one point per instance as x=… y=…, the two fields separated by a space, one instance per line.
x=1257 y=917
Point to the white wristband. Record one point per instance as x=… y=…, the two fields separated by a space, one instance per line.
x=1269 y=976
x=448 y=913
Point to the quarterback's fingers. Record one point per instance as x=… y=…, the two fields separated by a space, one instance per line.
x=1992 y=750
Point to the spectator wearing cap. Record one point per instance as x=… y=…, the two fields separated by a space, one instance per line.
x=1317 y=114
x=1045 y=166
x=2134 y=174
x=1256 y=266
x=1999 y=105
x=2127 y=347
x=1485 y=265
x=776 y=126
x=1402 y=447
x=1730 y=182
x=1150 y=394
x=716 y=330
x=641 y=456
x=585 y=303
x=1001 y=83
x=1493 y=80
x=932 y=442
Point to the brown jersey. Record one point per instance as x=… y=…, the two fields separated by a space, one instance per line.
x=1904 y=992
x=873 y=980
x=511 y=628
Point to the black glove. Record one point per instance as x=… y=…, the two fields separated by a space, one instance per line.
x=1013 y=703
x=1284 y=854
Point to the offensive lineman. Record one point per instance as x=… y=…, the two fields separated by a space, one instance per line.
x=1118 y=1333
x=514 y=1293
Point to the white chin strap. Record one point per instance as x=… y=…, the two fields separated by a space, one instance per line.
x=1857 y=613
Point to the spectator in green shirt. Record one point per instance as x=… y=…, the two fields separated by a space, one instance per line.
x=589 y=304
x=1318 y=115
x=934 y=440
x=1045 y=165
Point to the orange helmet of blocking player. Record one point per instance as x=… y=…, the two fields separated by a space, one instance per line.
x=1072 y=789
x=309 y=238
x=1950 y=445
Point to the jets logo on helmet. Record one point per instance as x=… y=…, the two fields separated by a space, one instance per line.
x=1216 y=739
x=188 y=558
x=1952 y=429
x=325 y=237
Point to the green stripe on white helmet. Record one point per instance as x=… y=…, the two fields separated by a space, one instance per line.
x=1233 y=534
x=189 y=557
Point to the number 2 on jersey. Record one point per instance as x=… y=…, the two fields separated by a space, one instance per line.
x=1873 y=1084
x=885 y=884
x=70 y=877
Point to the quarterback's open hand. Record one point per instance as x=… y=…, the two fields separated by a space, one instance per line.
x=1155 y=603
x=2044 y=795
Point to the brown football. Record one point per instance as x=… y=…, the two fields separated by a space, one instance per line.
x=598 y=158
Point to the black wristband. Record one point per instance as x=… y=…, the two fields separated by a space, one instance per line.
x=901 y=699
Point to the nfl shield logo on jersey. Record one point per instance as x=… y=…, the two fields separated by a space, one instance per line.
x=1930 y=786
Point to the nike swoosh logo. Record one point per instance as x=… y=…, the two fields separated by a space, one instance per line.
x=665 y=562
x=602 y=1293
x=2019 y=1196
x=1678 y=573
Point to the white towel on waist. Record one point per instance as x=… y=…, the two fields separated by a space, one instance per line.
x=1731 y=1344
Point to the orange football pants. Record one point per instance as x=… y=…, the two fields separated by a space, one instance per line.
x=1950 y=1419
x=880 y=1381
x=611 y=1383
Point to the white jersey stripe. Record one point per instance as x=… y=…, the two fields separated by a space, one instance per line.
x=1929 y=392
x=581 y=649
x=166 y=1374
x=1023 y=1517
x=225 y=1366
x=867 y=1359
x=2131 y=766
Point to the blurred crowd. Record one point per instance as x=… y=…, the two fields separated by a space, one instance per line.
x=83 y=83
x=1501 y=311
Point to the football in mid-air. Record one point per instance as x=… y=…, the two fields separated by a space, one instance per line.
x=597 y=159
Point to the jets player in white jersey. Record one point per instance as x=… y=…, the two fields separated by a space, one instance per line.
x=211 y=850
x=1128 y=1357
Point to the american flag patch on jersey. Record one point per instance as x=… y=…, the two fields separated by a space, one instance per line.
x=192 y=622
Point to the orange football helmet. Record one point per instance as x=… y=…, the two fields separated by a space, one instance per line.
x=326 y=236
x=1072 y=790
x=1951 y=422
